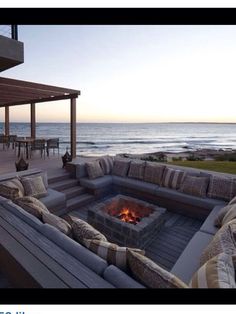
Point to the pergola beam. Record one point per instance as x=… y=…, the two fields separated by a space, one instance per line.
x=73 y=127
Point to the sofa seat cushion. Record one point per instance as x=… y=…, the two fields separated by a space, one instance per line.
x=97 y=183
x=82 y=254
x=188 y=262
x=54 y=199
x=206 y=203
x=209 y=224
x=218 y=272
x=136 y=184
x=120 y=279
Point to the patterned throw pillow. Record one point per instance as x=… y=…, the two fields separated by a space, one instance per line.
x=150 y=274
x=94 y=169
x=222 y=188
x=34 y=186
x=106 y=163
x=233 y=201
x=222 y=242
x=82 y=230
x=32 y=205
x=136 y=170
x=196 y=186
x=120 y=167
x=57 y=222
x=153 y=173
x=225 y=215
x=218 y=272
x=172 y=178
x=12 y=189
x=111 y=252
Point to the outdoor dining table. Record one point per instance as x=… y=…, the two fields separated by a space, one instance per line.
x=25 y=141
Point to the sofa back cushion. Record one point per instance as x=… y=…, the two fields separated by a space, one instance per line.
x=218 y=272
x=106 y=163
x=12 y=189
x=94 y=169
x=112 y=253
x=221 y=187
x=196 y=186
x=120 y=167
x=172 y=178
x=34 y=186
x=150 y=274
x=136 y=170
x=222 y=242
x=32 y=205
x=153 y=173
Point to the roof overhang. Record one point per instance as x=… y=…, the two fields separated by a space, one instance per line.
x=17 y=92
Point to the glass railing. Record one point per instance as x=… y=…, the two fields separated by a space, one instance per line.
x=9 y=31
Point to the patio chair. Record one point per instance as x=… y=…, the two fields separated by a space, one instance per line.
x=12 y=139
x=4 y=139
x=53 y=143
x=39 y=144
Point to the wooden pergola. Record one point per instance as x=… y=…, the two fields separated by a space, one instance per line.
x=17 y=92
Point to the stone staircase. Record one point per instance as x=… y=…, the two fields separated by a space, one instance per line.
x=76 y=195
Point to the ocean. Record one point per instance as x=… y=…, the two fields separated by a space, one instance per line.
x=115 y=138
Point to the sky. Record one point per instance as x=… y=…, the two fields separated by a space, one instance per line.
x=131 y=73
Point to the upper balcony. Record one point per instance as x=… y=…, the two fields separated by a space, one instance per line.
x=11 y=50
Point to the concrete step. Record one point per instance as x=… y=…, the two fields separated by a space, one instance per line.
x=64 y=184
x=59 y=177
x=79 y=201
x=74 y=191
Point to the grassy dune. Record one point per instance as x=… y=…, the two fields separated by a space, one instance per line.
x=219 y=166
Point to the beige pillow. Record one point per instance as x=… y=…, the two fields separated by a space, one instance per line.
x=153 y=173
x=94 y=169
x=82 y=230
x=222 y=242
x=12 y=189
x=225 y=215
x=233 y=201
x=32 y=205
x=196 y=186
x=218 y=272
x=150 y=274
x=34 y=186
x=112 y=253
x=57 y=222
x=136 y=170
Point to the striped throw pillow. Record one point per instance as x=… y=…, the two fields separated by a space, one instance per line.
x=218 y=272
x=172 y=178
x=111 y=252
x=94 y=169
x=106 y=163
x=136 y=170
x=153 y=173
x=222 y=188
x=150 y=274
x=224 y=241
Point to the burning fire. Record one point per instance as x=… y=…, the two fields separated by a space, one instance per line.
x=128 y=215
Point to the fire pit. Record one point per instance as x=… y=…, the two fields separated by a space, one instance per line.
x=127 y=220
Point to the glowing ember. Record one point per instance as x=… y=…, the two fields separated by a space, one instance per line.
x=128 y=215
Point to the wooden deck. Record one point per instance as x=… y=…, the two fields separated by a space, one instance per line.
x=169 y=243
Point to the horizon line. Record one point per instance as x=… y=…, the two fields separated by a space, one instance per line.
x=168 y=122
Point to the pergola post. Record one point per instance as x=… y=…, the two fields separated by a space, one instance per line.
x=32 y=120
x=7 y=120
x=73 y=127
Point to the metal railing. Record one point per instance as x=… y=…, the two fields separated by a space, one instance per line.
x=9 y=31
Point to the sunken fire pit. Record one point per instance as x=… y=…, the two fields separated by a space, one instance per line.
x=127 y=220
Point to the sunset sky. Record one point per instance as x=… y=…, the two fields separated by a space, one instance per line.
x=132 y=73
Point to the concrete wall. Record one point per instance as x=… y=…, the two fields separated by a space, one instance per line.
x=11 y=53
